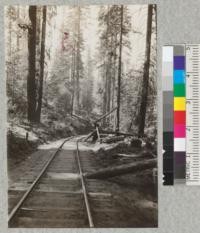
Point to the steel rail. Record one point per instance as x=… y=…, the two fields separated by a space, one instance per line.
x=27 y=193
x=90 y=220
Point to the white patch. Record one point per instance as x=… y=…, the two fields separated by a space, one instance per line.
x=179 y=144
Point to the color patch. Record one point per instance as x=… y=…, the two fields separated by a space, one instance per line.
x=179 y=90
x=167 y=69
x=179 y=50
x=168 y=124
x=179 y=144
x=179 y=76
x=179 y=103
x=168 y=140
x=179 y=117
x=179 y=62
x=179 y=158
x=168 y=111
x=179 y=131
x=167 y=54
x=179 y=86
x=179 y=166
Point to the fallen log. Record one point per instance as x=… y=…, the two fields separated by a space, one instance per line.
x=122 y=169
x=129 y=155
x=105 y=115
x=116 y=133
x=113 y=139
x=80 y=118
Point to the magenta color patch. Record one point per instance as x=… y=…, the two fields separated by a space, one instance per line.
x=179 y=131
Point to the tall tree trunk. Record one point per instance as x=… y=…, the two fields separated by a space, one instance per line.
x=78 y=61
x=73 y=79
x=119 y=70
x=106 y=65
x=109 y=76
x=42 y=60
x=114 y=80
x=12 y=73
x=18 y=37
x=104 y=91
x=31 y=84
x=145 y=83
x=114 y=71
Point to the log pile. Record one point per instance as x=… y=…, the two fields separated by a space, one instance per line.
x=124 y=145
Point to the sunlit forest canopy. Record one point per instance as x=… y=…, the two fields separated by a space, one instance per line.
x=84 y=61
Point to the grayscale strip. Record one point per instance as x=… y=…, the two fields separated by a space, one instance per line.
x=168 y=135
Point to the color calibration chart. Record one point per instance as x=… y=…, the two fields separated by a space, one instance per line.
x=181 y=114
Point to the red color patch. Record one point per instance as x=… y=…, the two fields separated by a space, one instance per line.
x=179 y=117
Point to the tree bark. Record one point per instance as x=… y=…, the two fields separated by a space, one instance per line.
x=109 y=77
x=18 y=37
x=114 y=71
x=122 y=169
x=106 y=64
x=119 y=70
x=31 y=84
x=73 y=78
x=42 y=60
x=78 y=62
x=10 y=59
x=145 y=83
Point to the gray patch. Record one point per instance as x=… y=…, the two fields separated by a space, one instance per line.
x=168 y=111
x=179 y=50
x=167 y=70
x=168 y=124
x=168 y=97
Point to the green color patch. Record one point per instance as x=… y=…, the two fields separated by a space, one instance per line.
x=179 y=90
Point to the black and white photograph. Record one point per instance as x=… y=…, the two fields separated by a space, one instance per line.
x=81 y=116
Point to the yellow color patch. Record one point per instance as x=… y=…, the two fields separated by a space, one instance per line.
x=179 y=103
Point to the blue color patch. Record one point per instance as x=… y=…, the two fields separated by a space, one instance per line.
x=179 y=62
x=179 y=76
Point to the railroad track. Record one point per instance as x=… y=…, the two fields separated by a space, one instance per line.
x=38 y=204
x=60 y=196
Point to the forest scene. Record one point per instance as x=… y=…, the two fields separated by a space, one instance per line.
x=87 y=74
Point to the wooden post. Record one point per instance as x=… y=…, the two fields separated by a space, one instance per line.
x=26 y=136
x=98 y=135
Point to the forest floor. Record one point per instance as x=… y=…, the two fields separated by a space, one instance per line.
x=23 y=138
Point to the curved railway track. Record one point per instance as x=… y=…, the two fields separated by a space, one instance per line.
x=61 y=197
x=51 y=215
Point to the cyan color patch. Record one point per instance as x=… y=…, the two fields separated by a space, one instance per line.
x=179 y=76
